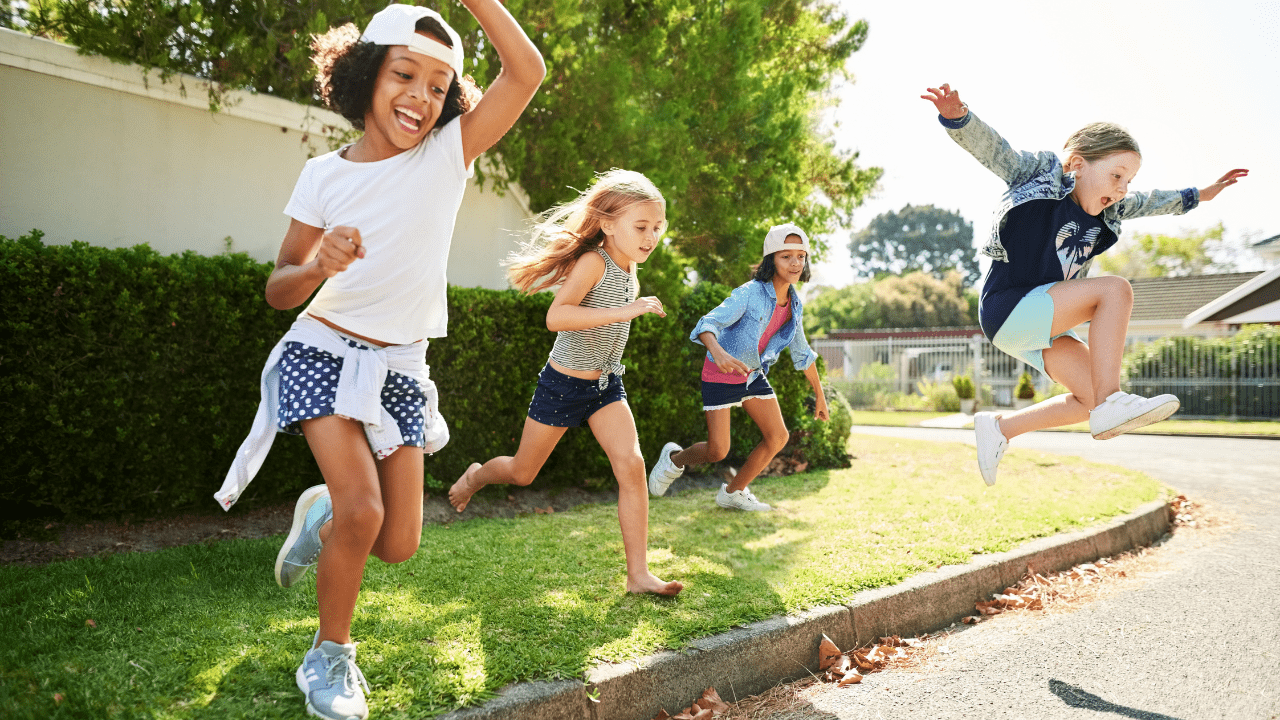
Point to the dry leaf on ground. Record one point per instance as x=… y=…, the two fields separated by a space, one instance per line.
x=704 y=708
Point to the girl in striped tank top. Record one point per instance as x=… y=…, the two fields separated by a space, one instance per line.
x=590 y=248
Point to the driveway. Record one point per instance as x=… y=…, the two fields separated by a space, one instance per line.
x=1197 y=638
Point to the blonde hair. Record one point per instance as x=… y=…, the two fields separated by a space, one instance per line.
x=564 y=233
x=1099 y=140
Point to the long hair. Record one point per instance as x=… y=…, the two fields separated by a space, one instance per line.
x=347 y=70
x=1098 y=140
x=564 y=233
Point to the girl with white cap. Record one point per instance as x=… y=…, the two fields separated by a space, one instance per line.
x=370 y=233
x=744 y=336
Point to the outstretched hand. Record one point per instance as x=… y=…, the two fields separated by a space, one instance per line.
x=1230 y=178
x=947 y=101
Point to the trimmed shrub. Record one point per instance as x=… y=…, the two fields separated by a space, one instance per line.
x=128 y=380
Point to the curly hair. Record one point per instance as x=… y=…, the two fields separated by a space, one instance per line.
x=347 y=70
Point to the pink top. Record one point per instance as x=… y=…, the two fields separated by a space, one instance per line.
x=711 y=373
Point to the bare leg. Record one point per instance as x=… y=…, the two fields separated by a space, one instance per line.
x=349 y=471
x=615 y=430
x=1105 y=303
x=1068 y=362
x=400 y=477
x=715 y=449
x=536 y=443
x=768 y=417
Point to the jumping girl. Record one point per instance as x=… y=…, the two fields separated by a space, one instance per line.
x=590 y=247
x=1056 y=216
x=371 y=228
x=744 y=337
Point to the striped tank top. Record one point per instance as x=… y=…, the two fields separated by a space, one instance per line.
x=600 y=348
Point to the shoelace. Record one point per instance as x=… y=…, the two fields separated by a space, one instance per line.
x=345 y=664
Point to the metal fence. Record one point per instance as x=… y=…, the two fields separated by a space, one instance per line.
x=1214 y=378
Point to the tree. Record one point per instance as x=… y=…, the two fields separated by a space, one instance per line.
x=917 y=237
x=717 y=102
x=915 y=300
x=1195 y=253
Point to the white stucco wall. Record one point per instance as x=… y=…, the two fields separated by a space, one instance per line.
x=90 y=151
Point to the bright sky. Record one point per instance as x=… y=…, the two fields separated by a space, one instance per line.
x=1194 y=81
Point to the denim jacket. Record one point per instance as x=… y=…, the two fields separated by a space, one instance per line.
x=739 y=322
x=1040 y=176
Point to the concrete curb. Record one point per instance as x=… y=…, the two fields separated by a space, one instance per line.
x=752 y=659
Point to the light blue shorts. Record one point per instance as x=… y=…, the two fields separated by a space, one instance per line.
x=1025 y=334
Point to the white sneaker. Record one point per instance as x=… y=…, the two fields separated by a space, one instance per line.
x=991 y=444
x=1122 y=412
x=664 y=471
x=740 y=500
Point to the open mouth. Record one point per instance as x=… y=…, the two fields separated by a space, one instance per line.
x=408 y=119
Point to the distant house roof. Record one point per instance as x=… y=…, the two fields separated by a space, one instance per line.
x=1273 y=241
x=1254 y=293
x=1174 y=298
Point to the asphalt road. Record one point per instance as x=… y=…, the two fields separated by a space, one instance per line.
x=1197 y=638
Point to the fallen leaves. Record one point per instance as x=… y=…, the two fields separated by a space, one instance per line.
x=846 y=669
x=548 y=510
x=708 y=706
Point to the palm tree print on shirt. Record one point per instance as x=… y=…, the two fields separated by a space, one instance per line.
x=1074 y=247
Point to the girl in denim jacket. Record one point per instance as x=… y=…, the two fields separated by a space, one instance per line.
x=1054 y=219
x=744 y=337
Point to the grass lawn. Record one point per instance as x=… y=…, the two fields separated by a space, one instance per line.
x=895 y=418
x=1242 y=428
x=203 y=631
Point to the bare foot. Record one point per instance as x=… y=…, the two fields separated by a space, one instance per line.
x=650 y=583
x=461 y=492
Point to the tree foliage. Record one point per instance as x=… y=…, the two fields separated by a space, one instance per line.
x=916 y=238
x=915 y=300
x=1195 y=253
x=718 y=102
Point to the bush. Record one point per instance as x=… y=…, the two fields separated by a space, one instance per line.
x=128 y=380
x=964 y=386
x=1025 y=389
x=1213 y=377
x=940 y=396
x=873 y=380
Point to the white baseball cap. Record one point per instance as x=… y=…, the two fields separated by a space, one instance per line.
x=395 y=25
x=776 y=238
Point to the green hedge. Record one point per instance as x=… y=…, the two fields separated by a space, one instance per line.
x=128 y=379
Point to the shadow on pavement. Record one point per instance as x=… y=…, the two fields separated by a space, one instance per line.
x=1078 y=698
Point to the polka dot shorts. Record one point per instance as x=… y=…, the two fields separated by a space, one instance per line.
x=309 y=384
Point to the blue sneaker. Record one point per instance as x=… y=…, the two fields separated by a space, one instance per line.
x=302 y=547
x=328 y=676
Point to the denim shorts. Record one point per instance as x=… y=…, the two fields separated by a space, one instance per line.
x=309 y=386
x=566 y=401
x=723 y=395
x=1025 y=334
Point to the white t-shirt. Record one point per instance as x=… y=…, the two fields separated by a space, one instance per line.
x=404 y=207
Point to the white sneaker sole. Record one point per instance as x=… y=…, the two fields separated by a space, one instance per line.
x=1150 y=417
x=657 y=487
x=300 y=510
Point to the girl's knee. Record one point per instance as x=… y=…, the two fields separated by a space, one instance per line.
x=523 y=476
x=359 y=519
x=776 y=441
x=717 y=451
x=401 y=550
x=1118 y=288
x=631 y=465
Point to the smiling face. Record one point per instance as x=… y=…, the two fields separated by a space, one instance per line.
x=635 y=232
x=408 y=97
x=1104 y=182
x=789 y=263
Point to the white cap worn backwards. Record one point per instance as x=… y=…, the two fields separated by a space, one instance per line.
x=777 y=238
x=394 y=25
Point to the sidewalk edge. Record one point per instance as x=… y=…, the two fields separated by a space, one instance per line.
x=749 y=660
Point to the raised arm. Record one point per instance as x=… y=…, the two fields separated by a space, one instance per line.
x=566 y=313
x=521 y=73
x=984 y=143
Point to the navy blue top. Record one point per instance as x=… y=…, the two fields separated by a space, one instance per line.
x=1047 y=241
